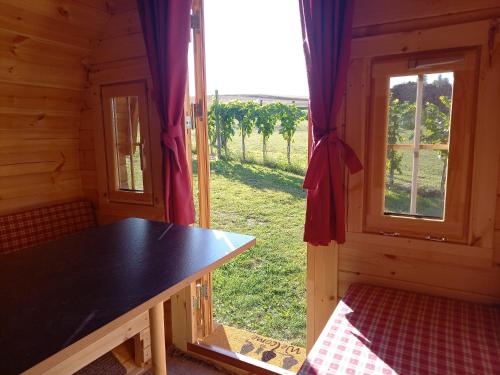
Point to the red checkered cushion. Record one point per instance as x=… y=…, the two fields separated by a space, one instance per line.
x=377 y=330
x=30 y=228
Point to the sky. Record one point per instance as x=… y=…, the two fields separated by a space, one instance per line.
x=254 y=47
x=413 y=78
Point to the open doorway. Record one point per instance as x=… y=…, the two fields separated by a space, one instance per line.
x=257 y=102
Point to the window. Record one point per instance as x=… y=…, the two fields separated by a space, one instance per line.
x=127 y=148
x=418 y=128
x=421 y=126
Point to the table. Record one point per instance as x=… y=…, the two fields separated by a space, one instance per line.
x=61 y=297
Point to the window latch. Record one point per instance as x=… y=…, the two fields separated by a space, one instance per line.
x=195 y=21
x=189 y=122
x=198 y=109
x=389 y=234
x=437 y=239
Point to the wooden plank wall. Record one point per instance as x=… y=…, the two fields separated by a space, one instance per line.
x=43 y=51
x=117 y=55
x=496 y=253
x=470 y=272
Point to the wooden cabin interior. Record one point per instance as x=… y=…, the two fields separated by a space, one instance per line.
x=72 y=71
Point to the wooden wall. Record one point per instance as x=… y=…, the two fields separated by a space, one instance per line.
x=385 y=27
x=470 y=271
x=496 y=246
x=43 y=49
x=117 y=55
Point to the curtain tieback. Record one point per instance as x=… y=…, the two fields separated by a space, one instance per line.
x=317 y=161
x=170 y=142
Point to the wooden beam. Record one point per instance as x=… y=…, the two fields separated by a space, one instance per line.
x=29 y=24
x=486 y=149
x=202 y=142
x=425 y=23
x=375 y=262
x=100 y=347
x=32 y=50
x=28 y=97
x=122 y=24
x=346 y=278
x=157 y=328
x=71 y=15
x=322 y=278
x=183 y=317
x=247 y=364
x=369 y=12
x=356 y=103
x=420 y=249
x=13 y=70
x=458 y=36
x=119 y=6
x=107 y=50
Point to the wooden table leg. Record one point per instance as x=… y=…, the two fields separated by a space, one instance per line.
x=157 y=328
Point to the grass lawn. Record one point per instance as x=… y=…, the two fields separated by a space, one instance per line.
x=262 y=290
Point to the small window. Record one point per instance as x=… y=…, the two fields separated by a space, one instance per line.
x=420 y=134
x=127 y=149
x=418 y=129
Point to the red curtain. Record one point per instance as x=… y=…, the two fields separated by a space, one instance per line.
x=326 y=32
x=166 y=28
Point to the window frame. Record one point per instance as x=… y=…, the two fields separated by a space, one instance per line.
x=115 y=194
x=454 y=226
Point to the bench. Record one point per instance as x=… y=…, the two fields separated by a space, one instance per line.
x=34 y=227
x=376 y=330
x=37 y=226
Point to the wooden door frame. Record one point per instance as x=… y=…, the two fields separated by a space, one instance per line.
x=189 y=321
x=322 y=261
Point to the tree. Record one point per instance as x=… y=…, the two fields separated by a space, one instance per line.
x=244 y=113
x=226 y=120
x=265 y=121
x=211 y=127
x=401 y=118
x=436 y=130
x=289 y=116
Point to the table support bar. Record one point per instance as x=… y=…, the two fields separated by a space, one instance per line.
x=157 y=327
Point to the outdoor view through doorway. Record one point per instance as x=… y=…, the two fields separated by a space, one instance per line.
x=257 y=126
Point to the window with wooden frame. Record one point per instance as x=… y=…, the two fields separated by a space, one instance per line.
x=420 y=135
x=126 y=132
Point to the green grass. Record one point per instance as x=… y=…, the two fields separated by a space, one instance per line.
x=263 y=289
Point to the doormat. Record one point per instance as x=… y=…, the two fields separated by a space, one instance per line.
x=274 y=352
x=107 y=364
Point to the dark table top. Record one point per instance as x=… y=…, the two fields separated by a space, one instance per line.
x=53 y=295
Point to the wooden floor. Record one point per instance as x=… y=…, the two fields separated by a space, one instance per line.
x=121 y=362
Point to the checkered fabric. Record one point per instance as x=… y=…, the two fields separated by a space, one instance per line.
x=30 y=228
x=377 y=330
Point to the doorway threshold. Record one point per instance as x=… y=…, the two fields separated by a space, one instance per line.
x=278 y=356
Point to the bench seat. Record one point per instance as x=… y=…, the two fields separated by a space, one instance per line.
x=378 y=330
x=34 y=227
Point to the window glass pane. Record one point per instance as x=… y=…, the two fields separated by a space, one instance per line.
x=418 y=128
x=398 y=182
x=431 y=183
x=437 y=92
x=128 y=154
x=401 y=122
